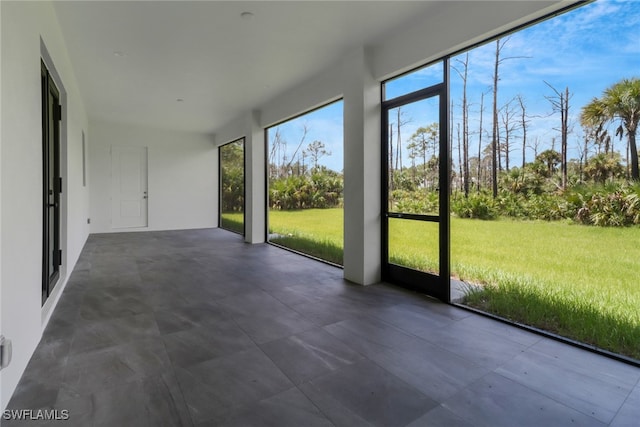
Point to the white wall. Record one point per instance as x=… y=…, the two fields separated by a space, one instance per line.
x=182 y=172
x=23 y=26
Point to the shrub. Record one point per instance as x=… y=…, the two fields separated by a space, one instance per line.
x=617 y=208
x=320 y=190
x=476 y=205
x=418 y=202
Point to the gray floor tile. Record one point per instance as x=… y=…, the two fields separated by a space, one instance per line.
x=440 y=417
x=112 y=366
x=255 y=303
x=183 y=315
x=591 y=384
x=415 y=319
x=195 y=326
x=496 y=327
x=475 y=344
x=495 y=401
x=289 y=408
x=310 y=354
x=215 y=388
x=433 y=370
x=338 y=414
x=112 y=302
x=202 y=343
x=265 y=329
x=48 y=362
x=149 y=401
x=90 y=336
x=369 y=336
x=372 y=394
x=629 y=413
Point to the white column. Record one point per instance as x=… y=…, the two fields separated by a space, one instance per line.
x=362 y=168
x=255 y=200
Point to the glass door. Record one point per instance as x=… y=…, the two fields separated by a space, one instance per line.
x=415 y=187
x=51 y=183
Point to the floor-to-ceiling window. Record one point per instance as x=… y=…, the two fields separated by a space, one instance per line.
x=232 y=194
x=543 y=193
x=305 y=183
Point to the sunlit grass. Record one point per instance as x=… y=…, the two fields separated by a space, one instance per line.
x=233 y=221
x=578 y=281
x=316 y=232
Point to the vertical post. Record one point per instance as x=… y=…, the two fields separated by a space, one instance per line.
x=255 y=176
x=362 y=168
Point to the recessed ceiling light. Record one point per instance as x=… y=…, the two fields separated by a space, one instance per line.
x=246 y=16
x=118 y=53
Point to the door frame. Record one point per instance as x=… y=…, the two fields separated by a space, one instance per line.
x=244 y=184
x=51 y=250
x=434 y=285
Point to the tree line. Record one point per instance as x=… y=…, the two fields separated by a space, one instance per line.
x=481 y=166
x=297 y=180
x=482 y=158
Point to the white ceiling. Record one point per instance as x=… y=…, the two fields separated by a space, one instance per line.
x=205 y=53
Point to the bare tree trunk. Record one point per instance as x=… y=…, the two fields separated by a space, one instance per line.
x=584 y=156
x=494 y=136
x=500 y=43
x=523 y=122
x=305 y=130
x=565 y=135
x=480 y=140
x=460 y=176
x=560 y=102
x=465 y=124
x=500 y=148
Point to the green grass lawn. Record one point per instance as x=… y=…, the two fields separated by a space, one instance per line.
x=233 y=221
x=316 y=232
x=581 y=282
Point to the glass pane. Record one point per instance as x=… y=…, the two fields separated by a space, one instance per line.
x=545 y=215
x=413 y=147
x=414 y=244
x=413 y=81
x=305 y=170
x=232 y=186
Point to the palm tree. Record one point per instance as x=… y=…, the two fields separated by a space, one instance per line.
x=620 y=101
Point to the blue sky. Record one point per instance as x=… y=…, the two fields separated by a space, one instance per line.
x=586 y=50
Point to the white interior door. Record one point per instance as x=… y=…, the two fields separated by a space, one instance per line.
x=129 y=198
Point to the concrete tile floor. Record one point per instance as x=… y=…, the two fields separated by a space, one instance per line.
x=196 y=328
